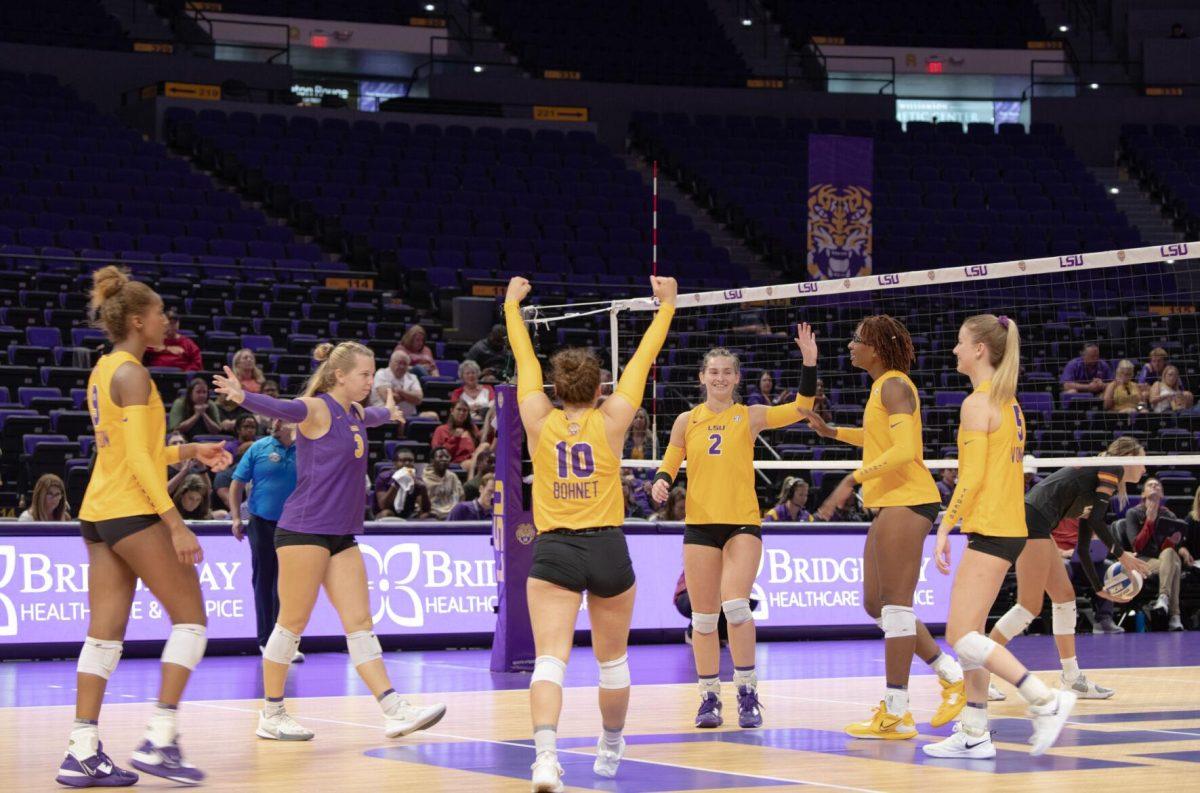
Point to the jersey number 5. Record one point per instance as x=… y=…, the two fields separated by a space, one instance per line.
x=583 y=464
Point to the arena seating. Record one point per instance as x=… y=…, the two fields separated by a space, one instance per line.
x=1165 y=159
x=628 y=41
x=63 y=23
x=381 y=12
x=452 y=204
x=920 y=23
x=943 y=195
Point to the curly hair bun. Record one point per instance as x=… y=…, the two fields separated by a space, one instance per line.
x=321 y=352
x=106 y=283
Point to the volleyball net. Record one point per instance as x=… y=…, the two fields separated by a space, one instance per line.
x=1116 y=310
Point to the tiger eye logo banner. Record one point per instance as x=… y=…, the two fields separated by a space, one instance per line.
x=840 y=206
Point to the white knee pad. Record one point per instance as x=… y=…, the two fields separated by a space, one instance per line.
x=705 y=623
x=615 y=673
x=1015 y=621
x=898 y=621
x=99 y=657
x=1064 y=617
x=973 y=650
x=548 y=669
x=737 y=610
x=185 y=646
x=364 y=647
x=281 y=646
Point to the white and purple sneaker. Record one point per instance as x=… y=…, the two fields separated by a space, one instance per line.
x=96 y=771
x=166 y=762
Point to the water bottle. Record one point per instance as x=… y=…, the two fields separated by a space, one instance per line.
x=1139 y=621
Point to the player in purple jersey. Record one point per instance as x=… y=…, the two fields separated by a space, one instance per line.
x=314 y=538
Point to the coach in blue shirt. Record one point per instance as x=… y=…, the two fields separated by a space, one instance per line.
x=269 y=466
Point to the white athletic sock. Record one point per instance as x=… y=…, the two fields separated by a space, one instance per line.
x=745 y=677
x=896 y=701
x=1034 y=691
x=545 y=739
x=612 y=740
x=85 y=739
x=162 y=729
x=975 y=719
x=389 y=701
x=710 y=685
x=273 y=707
x=1070 y=669
x=947 y=668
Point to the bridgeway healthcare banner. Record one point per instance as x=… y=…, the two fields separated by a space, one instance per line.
x=444 y=584
x=840 y=206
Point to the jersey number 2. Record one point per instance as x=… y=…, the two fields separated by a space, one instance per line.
x=716 y=443
x=579 y=455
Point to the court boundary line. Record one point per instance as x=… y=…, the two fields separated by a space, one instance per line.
x=530 y=747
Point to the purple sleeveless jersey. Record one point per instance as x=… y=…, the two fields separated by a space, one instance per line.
x=331 y=477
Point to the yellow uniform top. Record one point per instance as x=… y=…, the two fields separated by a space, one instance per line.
x=998 y=509
x=720 y=472
x=576 y=476
x=908 y=485
x=114 y=491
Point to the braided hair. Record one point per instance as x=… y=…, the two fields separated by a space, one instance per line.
x=890 y=339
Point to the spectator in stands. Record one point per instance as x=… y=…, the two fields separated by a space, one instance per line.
x=1177 y=31
x=266 y=425
x=193 y=413
x=1168 y=394
x=821 y=403
x=639 y=443
x=49 y=501
x=945 y=484
x=637 y=495
x=478 y=508
x=1191 y=542
x=1153 y=369
x=270 y=388
x=485 y=463
x=399 y=492
x=487 y=432
x=245 y=435
x=675 y=508
x=606 y=386
x=793 y=502
x=182 y=468
x=766 y=394
x=399 y=379
x=491 y=354
x=413 y=343
x=458 y=435
x=269 y=468
x=445 y=489
x=1159 y=535
x=478 y=396
x=1123 y=395
x=1066 y=538
x=1086 y=374
x=229 y=413
x=245 y=366
x=177 y=350
x=193 y=499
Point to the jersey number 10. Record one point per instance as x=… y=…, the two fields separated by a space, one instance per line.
x=579 y=455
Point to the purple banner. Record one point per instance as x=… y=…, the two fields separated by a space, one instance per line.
x=513 y=534
x=445 y=584
x=840 y=204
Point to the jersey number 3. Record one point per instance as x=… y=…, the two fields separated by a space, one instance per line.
x=579 y=455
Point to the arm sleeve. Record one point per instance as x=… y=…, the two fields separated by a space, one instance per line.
x=173 y=454
x=850 y=435
x=1084 y=555
x=632 y=384
x=376 y=416
x=529 y=370
x=972 y=467
x=902 y=450
x=1098 y=524
x=784 y=415
x=287 y=409
x=140 y=436
x=670 y=464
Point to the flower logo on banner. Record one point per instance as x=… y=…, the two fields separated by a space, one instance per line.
x=8 y=610
x=391 y=594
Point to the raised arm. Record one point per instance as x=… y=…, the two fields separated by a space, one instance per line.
x=763 y=417
x=632 y=385
x=531 y=396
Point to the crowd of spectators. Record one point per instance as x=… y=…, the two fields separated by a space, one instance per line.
x=1157 y=387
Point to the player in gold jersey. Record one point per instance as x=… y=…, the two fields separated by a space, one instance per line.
x=722 y=543
x=989 y=498
x=896 y=482
x=578 y=508
x=133 y=531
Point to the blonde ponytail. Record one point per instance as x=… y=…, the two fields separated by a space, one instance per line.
x=1124 y=446
x=332 y=360
x=1003 y=342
